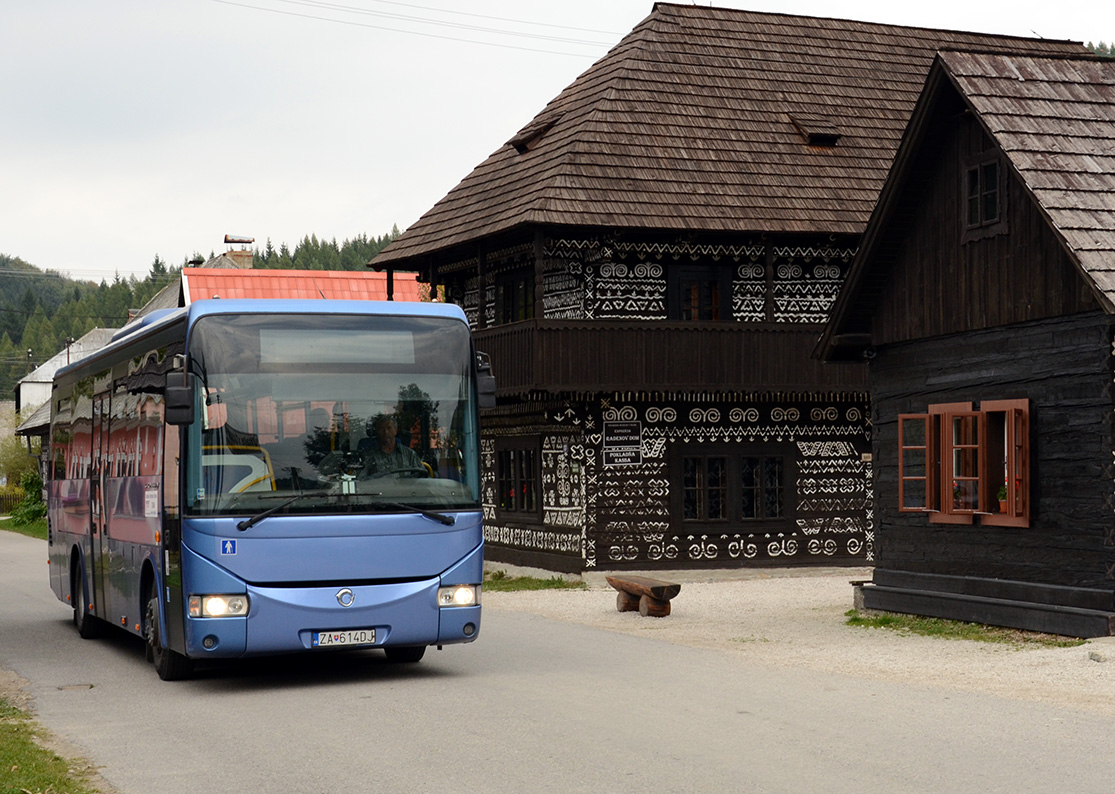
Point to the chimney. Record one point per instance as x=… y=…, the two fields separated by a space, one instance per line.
x=241 y=257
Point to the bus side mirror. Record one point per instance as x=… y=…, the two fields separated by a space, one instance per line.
x=485 y=382
x=179 y=398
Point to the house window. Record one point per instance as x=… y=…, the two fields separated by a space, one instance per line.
x=700 y=294
x=705 y=488
x=963 y=465
x=716 y=484
x=761 y=481
x=515 y=298
x=517 y=480
x=915 y=455
x=983 y=199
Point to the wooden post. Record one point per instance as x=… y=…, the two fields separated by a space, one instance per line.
x=539 y=274
x=653 y=607
x=768 y=272
x=482 y=289
x=625 y=602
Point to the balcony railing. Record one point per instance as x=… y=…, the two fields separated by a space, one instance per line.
x=579 y=356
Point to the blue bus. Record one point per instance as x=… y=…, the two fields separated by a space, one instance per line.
x=248 y=477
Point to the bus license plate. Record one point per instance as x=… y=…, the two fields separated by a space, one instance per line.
x=330 y=639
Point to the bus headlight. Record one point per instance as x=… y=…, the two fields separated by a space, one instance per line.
x=459 y=595
x=218 y=606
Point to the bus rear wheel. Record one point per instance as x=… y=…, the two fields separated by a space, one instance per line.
x=405 y=654
x=170 y=665
x=87 y=624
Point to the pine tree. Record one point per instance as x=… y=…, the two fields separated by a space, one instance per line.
x=40 y=338
x=41 y=309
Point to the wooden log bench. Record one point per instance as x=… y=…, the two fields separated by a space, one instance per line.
x=857 y=593
x=650 y=596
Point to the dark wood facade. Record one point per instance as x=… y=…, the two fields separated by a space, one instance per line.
x=649 y=263
x=580 y=356
x=605 y=354
x=959 y=313
x=949 y=282
x=1063 y=366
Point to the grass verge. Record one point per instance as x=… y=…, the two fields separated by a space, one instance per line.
x=499 y=581
x=26 y=767
x=956 y=630
x=35 y=529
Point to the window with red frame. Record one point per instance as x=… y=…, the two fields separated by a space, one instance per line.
x=962 y=465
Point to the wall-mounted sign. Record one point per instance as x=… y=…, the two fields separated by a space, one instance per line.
x=623 y=443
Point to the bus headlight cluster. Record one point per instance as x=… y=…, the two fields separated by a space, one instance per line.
x=459 y=595
x=218 y=606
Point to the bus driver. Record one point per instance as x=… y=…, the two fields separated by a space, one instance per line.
x=383 y=453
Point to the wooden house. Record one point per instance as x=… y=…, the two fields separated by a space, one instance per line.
x=984 y=296
x=650 y=261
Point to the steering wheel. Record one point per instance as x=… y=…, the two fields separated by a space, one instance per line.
x=409 y=473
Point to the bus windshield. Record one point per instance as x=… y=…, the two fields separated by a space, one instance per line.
x=349 y=413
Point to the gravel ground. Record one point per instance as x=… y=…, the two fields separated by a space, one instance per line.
x=791 y=617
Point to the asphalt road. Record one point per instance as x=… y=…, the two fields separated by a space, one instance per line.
x=535 y=705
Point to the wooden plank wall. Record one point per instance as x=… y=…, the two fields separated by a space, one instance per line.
x=942 y=283
x=570 y=355
x=1064 y=367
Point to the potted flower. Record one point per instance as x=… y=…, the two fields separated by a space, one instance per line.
x=1002 y=497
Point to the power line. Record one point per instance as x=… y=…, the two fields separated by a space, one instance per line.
x=440 y=23
x=104 y=317
x=16 y=273
x=418 y=33
x=485 y=16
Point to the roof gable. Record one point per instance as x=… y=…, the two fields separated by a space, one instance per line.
x=90 y=342
x=688 y=124
x=1052 y=119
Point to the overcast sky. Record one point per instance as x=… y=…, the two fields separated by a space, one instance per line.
x=130 y=128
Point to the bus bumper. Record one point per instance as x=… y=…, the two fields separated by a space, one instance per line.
x=285 y=619
x=459 y=624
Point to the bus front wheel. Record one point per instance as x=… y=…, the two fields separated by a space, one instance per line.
x=170 y=665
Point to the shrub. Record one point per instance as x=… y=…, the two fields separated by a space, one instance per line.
x=32 y=508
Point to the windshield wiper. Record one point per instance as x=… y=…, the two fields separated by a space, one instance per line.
x=248 y=523
x=430 y=514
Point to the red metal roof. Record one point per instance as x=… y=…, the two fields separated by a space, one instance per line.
x=231 y=283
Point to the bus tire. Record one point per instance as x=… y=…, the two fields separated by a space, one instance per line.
x=170 y=665
x=87 y=624
x=405 y=654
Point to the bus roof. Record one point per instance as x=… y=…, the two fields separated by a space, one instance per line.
x=210 y=306
x=159 y=320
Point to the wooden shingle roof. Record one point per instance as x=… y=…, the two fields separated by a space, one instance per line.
x=701 y=119
x=1054 y=119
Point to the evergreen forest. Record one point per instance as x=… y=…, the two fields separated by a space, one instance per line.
x=41 y=310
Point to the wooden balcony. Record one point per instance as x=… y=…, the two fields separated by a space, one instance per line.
x=583 y=356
